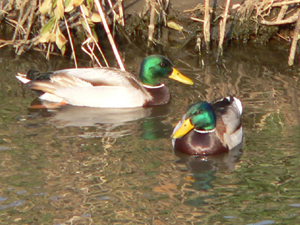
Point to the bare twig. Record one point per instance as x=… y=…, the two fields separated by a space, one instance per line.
x=294 y=42
x=29 y=15
x=29 y=12
x=14 y=23
x=93 y=39
x=222 y=29
x=110 y=38
x=206 y=26
x=284 y=38
x=282 y=12
x=163 y=6
x=119 y=17
x=121 y=12
x=151 y=26
x=48 y=50
x=197 y=19
x=291 y=19
x=19 y=19
x=276 y=4
x=90 y=50
x=198 y=44
x=71 y=42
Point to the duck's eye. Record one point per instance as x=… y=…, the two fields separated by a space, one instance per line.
x=198 y=112
x=162 y=64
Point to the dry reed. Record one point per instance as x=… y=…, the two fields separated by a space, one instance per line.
x=42 y=25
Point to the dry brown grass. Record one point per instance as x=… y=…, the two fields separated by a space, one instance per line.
x=47 y=25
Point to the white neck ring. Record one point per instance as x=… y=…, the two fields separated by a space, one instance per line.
x=153 y=87
x=205 y=131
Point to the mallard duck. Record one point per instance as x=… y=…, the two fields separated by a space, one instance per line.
x=109 y=87
x=209 y=128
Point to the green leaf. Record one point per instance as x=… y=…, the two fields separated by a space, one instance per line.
x=67 y=2
x=90 y=4
x=48 y=27
x=94 y=34
x=54 y=2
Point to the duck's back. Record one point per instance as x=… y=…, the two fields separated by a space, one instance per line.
x=95 y=87
x=102 y=76
x=228 y=113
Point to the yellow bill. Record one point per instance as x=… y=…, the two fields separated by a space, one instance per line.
x=186 y=127
x=176 y=75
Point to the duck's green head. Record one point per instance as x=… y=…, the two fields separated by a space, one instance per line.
x=200 y=116
x=156 y=67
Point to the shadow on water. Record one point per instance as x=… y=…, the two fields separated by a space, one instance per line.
x=67 y=166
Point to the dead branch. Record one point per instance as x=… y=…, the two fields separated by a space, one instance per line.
x=71 y=43
x=118 y=17
x=206 y=26
x=282 y=12
x=276 y=4
x=289 y=20
x=151 y=26
x=19 y=20
x=110 y=38
x=29 y=16
x=91 y=38
x=222 y=29
x=294 y=42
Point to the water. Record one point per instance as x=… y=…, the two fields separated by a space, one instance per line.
x=67 y=167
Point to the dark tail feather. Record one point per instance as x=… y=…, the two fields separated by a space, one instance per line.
x=33 y=74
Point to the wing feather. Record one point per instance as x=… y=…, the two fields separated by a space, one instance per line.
x=95 y=87
x=101 y=76
x=103 y=96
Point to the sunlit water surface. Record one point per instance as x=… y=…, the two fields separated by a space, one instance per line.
x=74 y=166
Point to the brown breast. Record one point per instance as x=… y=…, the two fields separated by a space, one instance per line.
x=161 y=96
x=195 y=143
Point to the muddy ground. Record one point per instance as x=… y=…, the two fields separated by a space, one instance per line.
x=241 y=27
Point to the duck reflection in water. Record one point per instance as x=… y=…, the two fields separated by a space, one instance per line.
x=203 y=168
x=149 y=120
x=202 y=172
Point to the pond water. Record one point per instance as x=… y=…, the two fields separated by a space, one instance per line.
x=72 y=166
